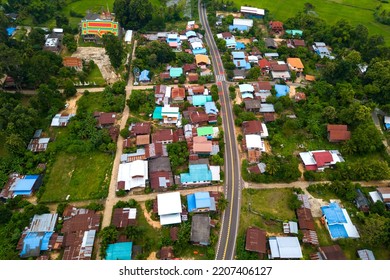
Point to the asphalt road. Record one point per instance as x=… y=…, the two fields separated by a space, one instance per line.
x=233 y=181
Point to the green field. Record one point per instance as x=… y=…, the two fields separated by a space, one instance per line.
x=80 y=176
x=354 y=11
x=96 y=76
x=271 y=203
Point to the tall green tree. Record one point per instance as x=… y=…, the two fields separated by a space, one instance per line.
x=133 y=14
x=114 y=49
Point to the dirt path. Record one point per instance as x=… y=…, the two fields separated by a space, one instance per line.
x=152 y=256
x=154 y=224
x=72 y=104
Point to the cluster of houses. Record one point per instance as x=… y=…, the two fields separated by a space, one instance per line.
x=269 y=63
x=76 y=237
x=188 y=41
x=148 y=163
x=334 y=217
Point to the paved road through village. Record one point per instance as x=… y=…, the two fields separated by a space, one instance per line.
x=233 y=181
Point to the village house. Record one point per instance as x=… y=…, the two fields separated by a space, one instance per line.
x=39 y=236
x=279 y=70
x=200 y=230
x=169 y=208
x=284 y=247
x=241 y=24
x=199 y=174
x=320 y=159
x=200 y=202
x=338 y=133
x=252 y=105
x=73 y=62
x=295 y=64
x=105 y=120
x=276 y=27
x=79 y=228
x=338 y=222
x=61 y=119
x=178 y=94
x=139 y=128
x=38 y=143
x=252 y=12
x=21 y=185
x=160 y=173
x=331 y=252
x=256 y=241
x=133 y=175
x=167 y=136
x=123 y=217
x=262 y=90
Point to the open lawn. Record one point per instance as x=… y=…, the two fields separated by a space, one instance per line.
x=81 y=176
x=96 y=76
x=272 y=203
x=355 y=12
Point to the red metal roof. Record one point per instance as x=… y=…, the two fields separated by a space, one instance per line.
x=322 y=158
x=252 y=127
x=255 y=240
x=141 y=128
x=305 y=219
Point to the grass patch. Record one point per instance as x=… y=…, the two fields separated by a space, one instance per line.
x=96 y=76
x=82 y=176
x=331 y=11
x=273 y=203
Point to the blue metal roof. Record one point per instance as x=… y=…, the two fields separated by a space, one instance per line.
x=198 y=173
x=175 y=72
x=157 y=113
x=210 y=108
x=201 y=100
x=202 y=199
x=238 y=55
x=119 y=251
x=190 y=33
x=11 y=31
x=281 y=90
x=191 y=202
x=34 y=242
x=240 y=46
x=238 y=27
x=333 y=213
x=24 y=185
x=144 y=76
x=199 y=51
x=337 y=231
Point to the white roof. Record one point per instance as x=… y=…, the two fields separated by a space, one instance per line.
x=128 y=35
x=319 y=44
x=246 y=87
x=197 y=45
x=134 y=173
x=215 y=132
x=265 y=130
x=132 y=213
x=44 y=222
x=281 y=74
x=375 y=196
x=387 y=119
x=170 y=219
x=253 y=141
x=215 y=172
x=307 y=158
x=172 y=36
x=349 y=226
x=169 y=203
x=252 y=10
x=183 y=37
x=271 y=54
x=169 y=110
x=58 y=30
x=253 y=58
x=240 y=21
x=219 y=36
x=191 y=22
x=286 y=247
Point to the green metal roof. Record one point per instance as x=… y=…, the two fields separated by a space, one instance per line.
x=205 y=130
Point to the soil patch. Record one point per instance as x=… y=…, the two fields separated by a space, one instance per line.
x=101 y=59
x=154 y=224
x=72 y=104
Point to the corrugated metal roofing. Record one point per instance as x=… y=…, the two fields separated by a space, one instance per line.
x=43 y=223
x=198 y=173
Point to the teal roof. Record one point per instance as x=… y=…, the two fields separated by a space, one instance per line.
x=119 y=251
x=205 y=130
x=294 y=32
x=198 y=173
x=200 y=100
x=175 y=72
x=157 y=114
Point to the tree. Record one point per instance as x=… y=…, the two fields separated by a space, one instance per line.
x=133 y=14
x=222 y=203
x=70 y=43
x=69 y=89
x=375 y=230
x=114 y=49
